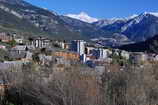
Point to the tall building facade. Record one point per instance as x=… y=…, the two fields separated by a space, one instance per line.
x=103 y=53
x=78 y=46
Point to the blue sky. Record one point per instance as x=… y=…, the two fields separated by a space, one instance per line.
x=99 y=8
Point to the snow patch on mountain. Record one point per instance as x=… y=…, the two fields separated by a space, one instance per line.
x=152 y=13
x=123 y=19
x=137 y=19
x=132 y=17
x=105 y=22
x=83 y=17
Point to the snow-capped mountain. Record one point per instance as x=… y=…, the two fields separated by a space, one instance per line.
x=136 y=27
x=105 y=22
x=151 y=13
x=27 y=18
x=141 y=27
x=84 y=28
x=83 y=17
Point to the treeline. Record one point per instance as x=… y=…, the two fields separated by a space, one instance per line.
x=76 y=85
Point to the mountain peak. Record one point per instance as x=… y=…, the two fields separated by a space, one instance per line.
x=83 y=16
x=149 y=13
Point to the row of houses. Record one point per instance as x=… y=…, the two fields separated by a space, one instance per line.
x=39 y=42
x=36 y=42
x=78 y=50
x=87 y=53
x=6 y=37
x=81 y=51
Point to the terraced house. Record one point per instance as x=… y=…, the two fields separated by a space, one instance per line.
x=6 y=37
x=40 y=42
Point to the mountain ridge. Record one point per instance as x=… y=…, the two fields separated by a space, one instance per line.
x=44 y=20
x=138 y=28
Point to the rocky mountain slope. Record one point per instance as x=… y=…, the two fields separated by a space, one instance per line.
x=137 y=28
x=87 y=29
x=11 y=23
x=44 y=20
x=35 y=20
x=50 y=23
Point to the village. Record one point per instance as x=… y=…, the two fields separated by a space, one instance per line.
x=91 y=59
x=21 y=51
